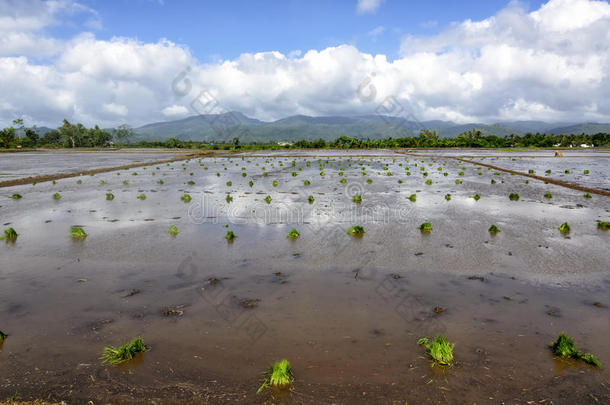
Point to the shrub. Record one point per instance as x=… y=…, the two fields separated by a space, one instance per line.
x=109 y=196
x=564 y=228
x=564 y=347
x=513 y=196
x=76 y=232
x=293 y=234
x=118 y=355
x=279 y=376
x=173 y=230
x=356 y=230
x=425 y=227
x=186 y=198
x=494 y=229
x=440 y=350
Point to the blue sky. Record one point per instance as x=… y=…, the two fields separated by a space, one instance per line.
x=225 y=29
x=114 y=62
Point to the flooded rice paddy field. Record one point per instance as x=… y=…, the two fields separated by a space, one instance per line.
x=29 y=164
x=347 y=312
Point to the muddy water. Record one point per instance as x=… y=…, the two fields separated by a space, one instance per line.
x=347 y=312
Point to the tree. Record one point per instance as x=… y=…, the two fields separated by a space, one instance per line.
x=123 y=133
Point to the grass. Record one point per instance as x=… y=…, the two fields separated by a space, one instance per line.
x=412 y=197
x=76 y=232
x=141 y=197
x=10 y=235
x=357 y=198
x=293 y=234
x=57 y=196
x=548 y=195
x=425 y=227
x=513 y=196
x=230 y=236
x=16 y=196
x=564 y=347
x=356 y=230
x=494 y=229
x=121 y=354
x=109 y=196
x=604 y=226
x=440 y=350
x=173 y=230
x=186 y=198
x=564 y=228
x=279 y=376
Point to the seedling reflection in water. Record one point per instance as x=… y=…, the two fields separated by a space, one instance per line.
x=440 y=350
x=121 y=354
x=564 y=347
x=279 y=376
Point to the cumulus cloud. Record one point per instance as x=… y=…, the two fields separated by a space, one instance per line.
x=548 y=64
x=368 y=6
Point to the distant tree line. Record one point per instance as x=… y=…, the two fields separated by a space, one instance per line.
x=70 y=135
x=66 y=136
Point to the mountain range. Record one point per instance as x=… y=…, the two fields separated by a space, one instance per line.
x=227 y=126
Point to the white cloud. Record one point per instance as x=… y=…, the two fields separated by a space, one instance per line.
x=549 y=64
x=368 y=6
x=175 y=110
x=375 y=32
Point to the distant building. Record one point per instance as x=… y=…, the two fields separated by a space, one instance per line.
x=285 y=143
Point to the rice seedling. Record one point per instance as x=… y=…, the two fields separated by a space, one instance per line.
x=369 y=181
x=447 y=197
x=186 y=198
x=141 y=197
x=564 y=347
x=531 y=171
x=425 y=227
x=306 y=182
x=460 y=173
x=513 y=196
x=567 y=171
x=493 y=181
x=440 y=350
x=109 y=196
x=564 y=228
x=102 y=182
x=428 y=182
x=10 y=235
x=476 y=197
x=343 y=181
x=310 y=199
x=548 y=171
x=3 y=336
x=293 y=234
x=57 y=196
x=274 y=183
x=548 y=195
x=357 y=198
x=586 y=171
x=230 y=236
x=121 y=354
x=412 y=197
x=229 y=183
x=244 y=174
x=400 y=181
x=587 y=195
x=356 y=230
x=16 y=196
x=160 y=182
x=494 y=229
x=268 y=199
x=76 y=232
x=173 y=230
x=190 y=183
x=458 y=181
x=79 y=181
x=279 y=376
x=604 y=226
x=251 y=183
x=527 y=182
x=228 y=198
